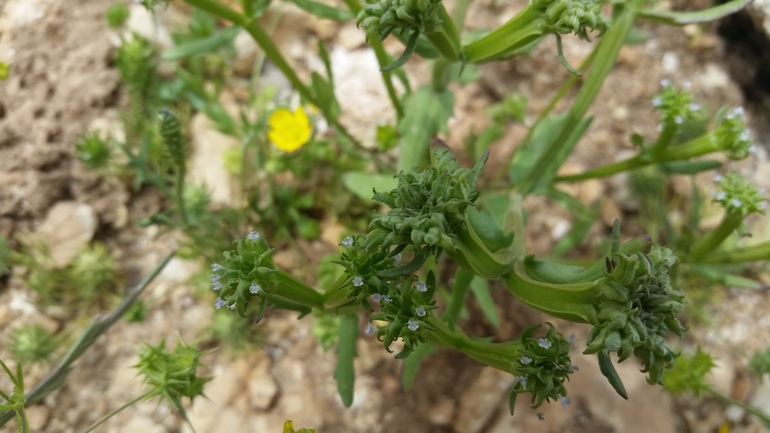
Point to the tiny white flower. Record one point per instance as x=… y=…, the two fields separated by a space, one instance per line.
x=544 y=343
x=526 y=360
x=376 y=297
x=739 y=111
x=216 y=267
x=744 y=136
x=397 y=258
x=219 y=303
x=253 y=236
x=421 y=287
x=358 y=281
x=572 y=339
x=522 y=380
x=763 y=205
x=386 y=298
x=718 y=178
x=686 y=85
x=678 y=120
x=665 y=82
x=752 y=149
x=420 y=311
x=736 y=202
x=412 y=325
x=564 y=401
x=573 y=368
x=347 y=242
x=694 y=107
x=657 y=101
x=231 y=307
x=216 y=285
x=721 y=195
x=369 y=329
x=254 y=288
x=215 y=278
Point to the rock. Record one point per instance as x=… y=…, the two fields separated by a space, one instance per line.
x=482 y=400
x=442 y=412
x=245 y=53
x=608 y=211
x=67 y=229
x=144 y=424
x=262 y=387
x=38 y=416
x=206 y=167
x=331 y=232
x=713 y=77
x=351 y=37
x=761 y=398
x=759 y=11
x=142 y=22
x=670 y=62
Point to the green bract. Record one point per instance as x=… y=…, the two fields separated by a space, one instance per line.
x=627 y=297
x=675 y=106
x=738 y=196
x=732 y=137
x=405 y=17
x=571 y=16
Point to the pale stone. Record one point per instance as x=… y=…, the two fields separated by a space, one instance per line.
x=38 y=416
x=262 y=387
x=143 y=23
x=245 y=53
x=67 y=229
x=205 y=164
x=481 y=401
x=351 y=36
x=609 y=211
x=442 y=412
x=670 y=62
x=331 y=232
x=713 y=77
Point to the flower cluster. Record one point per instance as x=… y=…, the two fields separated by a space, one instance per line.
x=247 y=272
x=738 y=196
x=381 y=18
x=543 y=366
x=675 y=105
x=426 y=207
x=572 y=16
x=732 y=137
x=636 y=309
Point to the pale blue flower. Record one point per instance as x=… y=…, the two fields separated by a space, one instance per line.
x=219 y=303
x=376 y=297
x=369 y=329
x=421 y=287
x=253 y=236
x=347 y=242
x=412 y=325
x=420 y=311
x=564 y=401
x=254 y=288
x=544 y=343
x=358 y=281
x=526 y=360
x=216 y=267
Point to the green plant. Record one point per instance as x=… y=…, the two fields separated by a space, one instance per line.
x=117 y=15
x=31 y=343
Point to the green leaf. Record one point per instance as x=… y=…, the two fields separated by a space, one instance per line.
x=527 y=155
x=706 y=15
x=689 y=167
x=202 y=46
x=725 y=278
x=411 y=45
x=323 y=11
x=324 y=93
x=584 y=218
x=489 y=231
x=608 y=370
x=486 y=303
x=323 y=53
x=424 y=48
x=363 y=184
x=411 y=364
x=425 y=113
x=346 y=351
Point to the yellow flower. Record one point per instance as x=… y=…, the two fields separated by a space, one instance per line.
x=289 y=131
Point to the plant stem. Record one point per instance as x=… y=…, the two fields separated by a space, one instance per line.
x=461 y=9
x=606 y=54
x=447 y=38
x=297 y=291
x=729 y=223
x=114 y=412
x=750 y=409
x=741 y=255
x=460 y=286
x=263 y=40
x=384 y=60
x=440 y=74
x=520 y=30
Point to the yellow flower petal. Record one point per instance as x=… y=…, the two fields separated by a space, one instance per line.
x=289 y=131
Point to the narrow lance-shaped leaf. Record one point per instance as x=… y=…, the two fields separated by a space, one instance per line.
x=706 y=15
x=323 y=11
x=346 y=351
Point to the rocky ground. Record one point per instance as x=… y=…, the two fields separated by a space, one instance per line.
x=64 y=82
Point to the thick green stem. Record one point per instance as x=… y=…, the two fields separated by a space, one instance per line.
x=447 y=38
x=519 y=31
x=440 y=75
x=297 y=291
x=664 y=140
x=460 y=286
x=606 y=54
x=742 y=255
x=116 y=411
x=729 y=223
x=461 y=9
x=384 y=60
x=608 y=170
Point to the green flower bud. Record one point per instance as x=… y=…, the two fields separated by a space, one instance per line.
x=732 y=136
x=738 y=196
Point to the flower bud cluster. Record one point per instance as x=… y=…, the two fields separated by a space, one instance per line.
x=173 y=141
x=572 y=16
x=247 y=272
x=675 y=105
x=738 y=196
x=426 y=207
x=543 y=366
x=732 y=136
x=636 y=309
x=380 y=18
